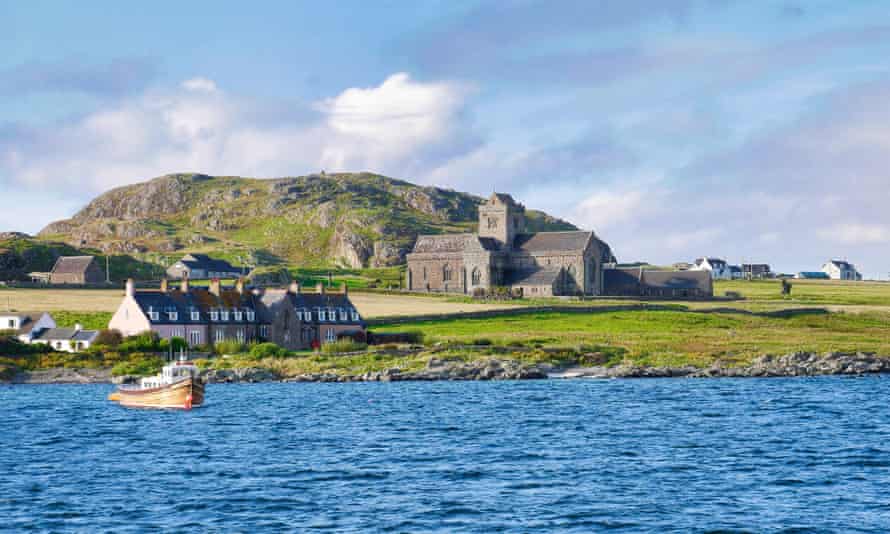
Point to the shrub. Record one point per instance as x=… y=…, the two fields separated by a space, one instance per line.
x=144 y=342
x=482 y=341
x=343 y=345
x=267 y=350
x=139 y=365
x=228 y=346
x=109 y=338
x=175 y=343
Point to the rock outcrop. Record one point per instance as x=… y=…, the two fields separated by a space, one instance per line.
x=351 y=219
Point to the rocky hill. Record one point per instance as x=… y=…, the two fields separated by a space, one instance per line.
x=348 y=220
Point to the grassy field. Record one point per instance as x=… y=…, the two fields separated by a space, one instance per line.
x=670 y=337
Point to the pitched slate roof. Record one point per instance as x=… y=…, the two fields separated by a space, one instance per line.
x=205 y=262
x=552 y=241
x=544 y=276
x=841 y=264
x=72 y=264
x=310 y=301
x=198 y=299
x=621 y=281
x=453 y=243
x=715 y=262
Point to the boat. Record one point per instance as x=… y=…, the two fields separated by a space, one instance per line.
x=178 y=385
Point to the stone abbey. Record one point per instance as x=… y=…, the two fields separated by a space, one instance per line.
x=503 y=254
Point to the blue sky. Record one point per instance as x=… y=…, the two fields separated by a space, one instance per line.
x=756 y=131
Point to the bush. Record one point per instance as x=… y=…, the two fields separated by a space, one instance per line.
x=144 y=342
x=267 y=350
x=229 y=346
x=176 y=343
x=138 y=365
x=109 y=338
x=343 y=345
x=482 y=341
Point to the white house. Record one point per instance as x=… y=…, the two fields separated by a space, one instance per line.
x=841 y=270
x=67 y=339
x=719 y=269
x=26 y=324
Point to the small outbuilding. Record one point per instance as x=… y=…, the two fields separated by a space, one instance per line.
x=202 y=266
x=77 y=270
x=658 y=284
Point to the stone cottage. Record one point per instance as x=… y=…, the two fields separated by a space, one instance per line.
x=503 y=254
x=79 y=270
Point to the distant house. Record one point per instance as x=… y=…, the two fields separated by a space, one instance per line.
x=756 y=270
x=78 y=270
x=66 y=339
x=841 y=270
x=208 y=315
x=202 y=266
x=718 y=268
x=659 y=284
x=812 y=275
x=26 y=324
x=682 y=266
x=735 y=272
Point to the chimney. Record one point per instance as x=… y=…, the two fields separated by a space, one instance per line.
x=294 y=288
x=319 y=288
x=213 y=288
x=239 y=285
x=345 y=288
x=164 y=287
x=130 y=287
x=78 y=327
x=184 y=286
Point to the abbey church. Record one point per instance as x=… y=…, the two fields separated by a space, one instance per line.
x=502 y=253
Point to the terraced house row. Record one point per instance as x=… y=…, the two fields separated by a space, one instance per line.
x=291 y=317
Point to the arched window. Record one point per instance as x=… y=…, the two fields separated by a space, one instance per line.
x=446 y=272
x=572 y=271
x=477 y=276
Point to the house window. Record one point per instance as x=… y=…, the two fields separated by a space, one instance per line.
x=218 y=336
x=446 y=272
x=343 y=314
x=477 y=277
x=195 y=337
x=224 y=315
x=239 y=315
x=239 y=335
x=332 y=314
x=251 y=316
x=307 y=315
x=329 y=335
x=174 y=316
x=214 y=315
x=299 y=315
x=12 y=323
x=196 y=315
x=354 y=316
x=264 y=330
x=321 y=315
x=178 y=332
x=492 y=223
x=152 y=314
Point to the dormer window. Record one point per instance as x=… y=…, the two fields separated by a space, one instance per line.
x=224 y=315
x=214 y=315
x=173 y=315
x=355 y=316
x=239 y=315
x=307 y=315
x=332 y=314
x=153 y=314
x=251 y=316
x=299 y=315
x=322 y=315
x=196 y=315
x=343 y=314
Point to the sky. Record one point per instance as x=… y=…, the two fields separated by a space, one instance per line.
x=756 y=131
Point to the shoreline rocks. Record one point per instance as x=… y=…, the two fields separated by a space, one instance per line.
x=453 y=369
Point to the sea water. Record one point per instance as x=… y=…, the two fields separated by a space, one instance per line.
x=686 y=455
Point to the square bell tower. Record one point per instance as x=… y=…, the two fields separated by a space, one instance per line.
x=501 y=218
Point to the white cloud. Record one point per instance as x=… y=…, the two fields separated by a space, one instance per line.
x=856 y=233
x=607 y=209
x=200 y=84
x=401 y=127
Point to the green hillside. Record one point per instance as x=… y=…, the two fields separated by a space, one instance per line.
x=326 y=220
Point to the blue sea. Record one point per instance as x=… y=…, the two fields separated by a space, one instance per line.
x=672 y=455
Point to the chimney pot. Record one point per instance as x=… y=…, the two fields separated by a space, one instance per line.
x=239 y=285
x=294 y=288
x=214 y=288
x=164 y=287
x=319 y=288
x=184 y=286
x=78 y=327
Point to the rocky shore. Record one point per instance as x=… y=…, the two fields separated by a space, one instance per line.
x=795 y=364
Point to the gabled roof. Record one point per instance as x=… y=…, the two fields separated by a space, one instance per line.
x=309 y=301
x=72 y=264
x=453 y=243
x=844 y=265
x=502 y=198
x=205 y=262
x=545 y=276
x=198 y=299
x=713 y=261
x=552 y=241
